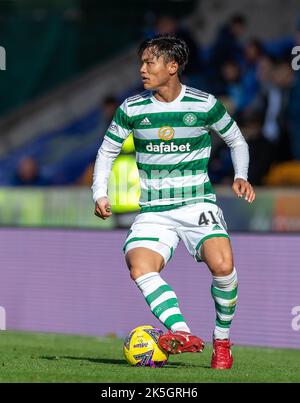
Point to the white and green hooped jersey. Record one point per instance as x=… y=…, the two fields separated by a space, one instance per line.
x=173 y=145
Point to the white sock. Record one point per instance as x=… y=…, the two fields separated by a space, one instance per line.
x=162 y=301
x=224 y=293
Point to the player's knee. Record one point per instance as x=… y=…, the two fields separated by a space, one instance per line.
x=140 y=267
x=137 y=271
x=222 y=266
x=141 y=262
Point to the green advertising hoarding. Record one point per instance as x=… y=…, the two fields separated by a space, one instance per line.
x=273 y=210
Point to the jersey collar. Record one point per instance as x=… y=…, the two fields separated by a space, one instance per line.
x=172 y=103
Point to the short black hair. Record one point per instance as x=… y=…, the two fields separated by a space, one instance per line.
x=170 y=47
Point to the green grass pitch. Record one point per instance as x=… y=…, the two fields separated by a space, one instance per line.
x=39 y=357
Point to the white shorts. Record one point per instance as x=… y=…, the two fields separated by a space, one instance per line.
x=161 y=231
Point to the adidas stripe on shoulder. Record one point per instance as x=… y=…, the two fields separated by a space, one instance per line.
x=197 y=93
x=139 y=97
x=133 y=98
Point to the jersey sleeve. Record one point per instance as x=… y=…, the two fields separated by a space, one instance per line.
x=115 y=135
x=120 y=127
x=219 y=120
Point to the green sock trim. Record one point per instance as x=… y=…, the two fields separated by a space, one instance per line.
x=208 y=237
x=171 y=255
x=139 y=239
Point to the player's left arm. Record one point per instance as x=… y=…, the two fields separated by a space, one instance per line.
x=225 y=126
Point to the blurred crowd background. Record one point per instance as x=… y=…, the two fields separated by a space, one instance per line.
x=70 y=63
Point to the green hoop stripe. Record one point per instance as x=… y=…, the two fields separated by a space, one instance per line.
x=183 y=192
x=228 y=295
x=227 y=310
x=169 y=303
x=227 y=127
x=225 y=324
x=114 y=137
x=122 y=119
x=157 y=293
x=196 y=143
x=173 y=119
x=154 y=171
x=215 y=113
x=173 y=319
x=151 y=209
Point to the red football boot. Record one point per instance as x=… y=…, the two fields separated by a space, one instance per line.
x=221 y=357
x=180 y=342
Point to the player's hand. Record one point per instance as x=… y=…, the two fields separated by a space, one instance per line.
x=103 y=208
x=243 y=188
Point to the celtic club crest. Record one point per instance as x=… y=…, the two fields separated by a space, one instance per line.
x=190 y=119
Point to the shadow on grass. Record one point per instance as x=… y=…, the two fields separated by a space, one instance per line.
x=112 y=361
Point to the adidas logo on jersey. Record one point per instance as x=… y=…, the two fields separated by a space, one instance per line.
x=145 y=121
x=167 y=148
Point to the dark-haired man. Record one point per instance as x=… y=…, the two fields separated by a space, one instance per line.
x=170 y=123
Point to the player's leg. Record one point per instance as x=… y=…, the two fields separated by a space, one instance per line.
x=216 y=252
x=145 y=265
x=203 y=231
x=150 y=244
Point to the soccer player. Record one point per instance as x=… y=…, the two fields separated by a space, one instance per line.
x=171 y=126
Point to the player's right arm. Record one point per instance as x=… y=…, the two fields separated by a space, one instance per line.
x=111 y=146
